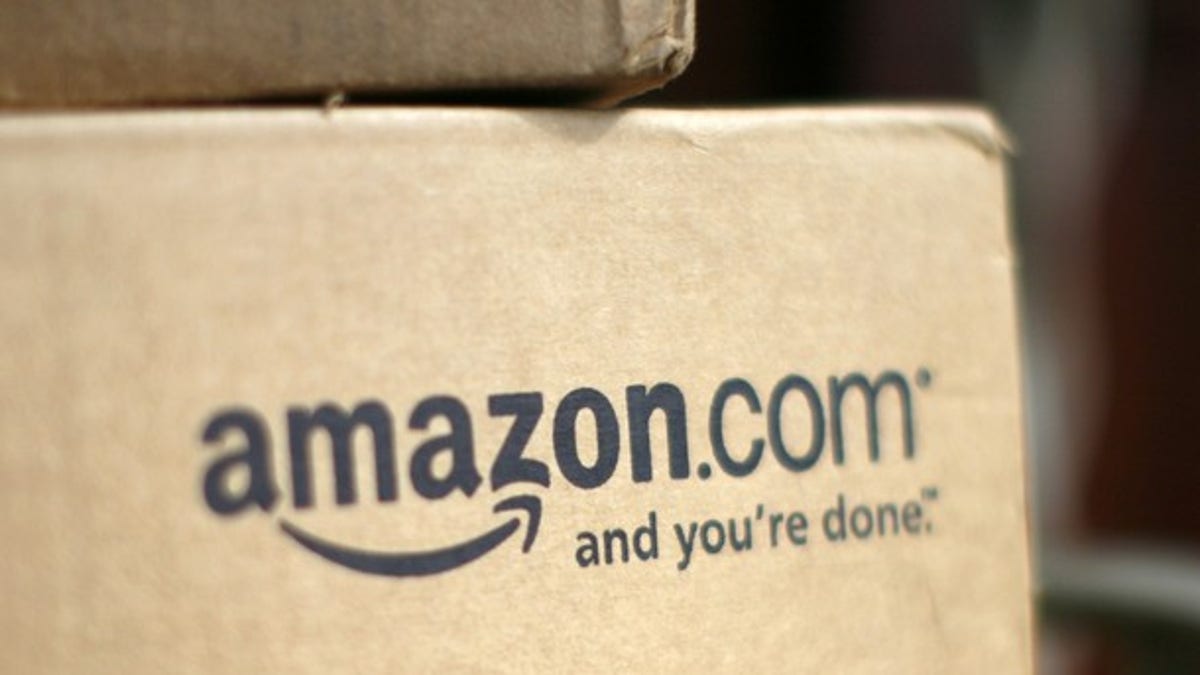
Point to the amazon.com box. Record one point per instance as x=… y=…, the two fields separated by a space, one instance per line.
x=422 y=390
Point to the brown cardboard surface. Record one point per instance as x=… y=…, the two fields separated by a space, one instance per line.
x=177 y=286
x=81 y=52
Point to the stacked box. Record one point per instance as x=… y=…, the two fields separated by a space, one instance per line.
x=421 y=389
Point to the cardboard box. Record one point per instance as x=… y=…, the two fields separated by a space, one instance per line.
x=421 y=390
x=82 y=52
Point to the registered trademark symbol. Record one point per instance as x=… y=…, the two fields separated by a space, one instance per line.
x=924 y=377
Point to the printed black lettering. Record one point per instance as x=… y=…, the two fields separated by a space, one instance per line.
x=588 y=553
x=618 y=536
x=816 y=414
x=510 y=467
x=911 y=516
x=861 y=522
x=645 y=539
x=837 y=392
x=687 y=544
x=776 y=520
x=716 y=542
x=253 y=458
x=887 y=518
x=746 y=542
x=608 y=441
x=834 y=521
x=238 y=475
x=797 y=528
x=716 y=427
x=459 y=442
x=641 y=405
x=339 y=426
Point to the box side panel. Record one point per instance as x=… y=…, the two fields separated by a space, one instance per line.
x=183 y=293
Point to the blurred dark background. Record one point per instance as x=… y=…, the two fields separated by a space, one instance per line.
x=1103 y=99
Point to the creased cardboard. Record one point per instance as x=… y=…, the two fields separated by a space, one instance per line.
x=494 y=390
x=122 y=52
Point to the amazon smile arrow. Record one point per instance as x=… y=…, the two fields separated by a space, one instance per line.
x=424 y=563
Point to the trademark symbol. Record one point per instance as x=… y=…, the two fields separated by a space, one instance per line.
x=929 y=494
x=924 y=377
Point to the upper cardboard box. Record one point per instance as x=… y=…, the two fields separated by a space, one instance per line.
x=122 y=52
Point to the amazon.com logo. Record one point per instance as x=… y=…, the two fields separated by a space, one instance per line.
x=240 y=475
